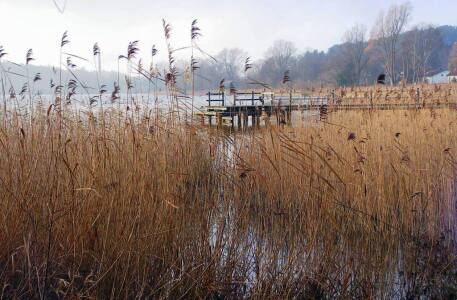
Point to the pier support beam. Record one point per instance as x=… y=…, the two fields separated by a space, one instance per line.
x=245 y=121
x=258 y=114
x=219 y=120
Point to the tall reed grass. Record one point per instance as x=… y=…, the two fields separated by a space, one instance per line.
x=138 y=202
x=359 y=206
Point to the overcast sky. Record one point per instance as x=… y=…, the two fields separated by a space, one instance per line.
x=249 y=24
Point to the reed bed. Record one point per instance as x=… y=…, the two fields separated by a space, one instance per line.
x=101 y=207
x=365 y=204
x=107 y=200
x=110 y=206
x=426 y=94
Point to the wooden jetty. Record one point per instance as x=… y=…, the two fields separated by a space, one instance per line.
x=248 y=108
x=254 y=105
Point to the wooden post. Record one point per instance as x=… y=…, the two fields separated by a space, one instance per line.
x=267 y=118
x=252 y=98
x=257 y=116
x=219 y=119
x=209 y=98
x=239 y=120
x=282 y=117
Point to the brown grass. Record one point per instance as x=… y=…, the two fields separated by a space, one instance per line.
x=385 y=94
x=358 y=202
x=138 y=203
x=361 y=206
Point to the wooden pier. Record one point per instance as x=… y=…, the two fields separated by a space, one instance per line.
x=247 y=109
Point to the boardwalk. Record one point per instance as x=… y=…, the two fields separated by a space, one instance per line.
x=252 y=106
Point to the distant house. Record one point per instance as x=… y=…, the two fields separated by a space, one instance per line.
x=441 y=77
x=452 y=76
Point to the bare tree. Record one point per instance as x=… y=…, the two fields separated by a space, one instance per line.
x=387 y=31
x=279 y=58
x=281 y=53
x=418 y=47
x=453 y=59
x=230 y=62
x=354 y=54
x=309 y=67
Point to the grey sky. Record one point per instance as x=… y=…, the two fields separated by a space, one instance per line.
x=251 y=25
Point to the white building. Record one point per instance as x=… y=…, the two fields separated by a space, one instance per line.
x=452 y=76
x=441 y=77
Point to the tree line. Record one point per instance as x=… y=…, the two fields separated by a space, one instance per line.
x=402 y=53
x=392 y=47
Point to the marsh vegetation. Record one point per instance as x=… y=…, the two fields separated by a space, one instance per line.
x=139 y=201
x=360 y=206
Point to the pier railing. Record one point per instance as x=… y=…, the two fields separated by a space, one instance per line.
x=300 y=100
x=258 y=99
x=251 y=98
x=218 y=98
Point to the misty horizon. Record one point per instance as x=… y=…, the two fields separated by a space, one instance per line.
x=314 y=25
